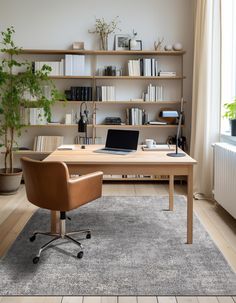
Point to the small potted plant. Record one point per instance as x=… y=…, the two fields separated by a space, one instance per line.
x=14 y=86
x=231 y=115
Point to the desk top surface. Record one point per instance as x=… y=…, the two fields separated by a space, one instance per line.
x=88 y=156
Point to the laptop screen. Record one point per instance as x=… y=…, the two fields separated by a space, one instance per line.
x=123 y=139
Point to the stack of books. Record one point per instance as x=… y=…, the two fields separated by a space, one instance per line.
x=105 y=93
x=135 y=116
x=134 y=68
x=153 y=93
x=167 y=74
x=79 y=93
x=147 y=67
x=47 y=143
x=74 y=65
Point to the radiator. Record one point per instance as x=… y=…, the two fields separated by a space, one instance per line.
x=225 y=176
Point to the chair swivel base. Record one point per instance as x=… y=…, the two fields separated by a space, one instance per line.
x=57 y=236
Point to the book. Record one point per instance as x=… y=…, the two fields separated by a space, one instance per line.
x=157 y=123
x=167 y=74
x=68 y=65
x=66 y=147
x=78 y=65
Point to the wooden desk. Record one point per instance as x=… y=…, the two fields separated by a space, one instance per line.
x=83 y=161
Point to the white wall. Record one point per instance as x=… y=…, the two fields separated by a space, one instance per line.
x=55 y=24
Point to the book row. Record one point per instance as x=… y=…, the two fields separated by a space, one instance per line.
x=153 y=93
x=105 y=93
x=135 y=116
x=72 y=65
x=47 y=143
x=81 y=93
x=143 y=67
x=147 y=67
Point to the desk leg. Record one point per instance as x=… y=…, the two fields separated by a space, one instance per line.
x=190 y=207
x=171 y=192
x=55 y=228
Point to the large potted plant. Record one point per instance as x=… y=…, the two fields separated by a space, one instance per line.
x=231 y=115
x=14 y=86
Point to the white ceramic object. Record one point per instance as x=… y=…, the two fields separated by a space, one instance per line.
x=177 y=46
x=133 y=43
x=168 y=47
x=150 y=143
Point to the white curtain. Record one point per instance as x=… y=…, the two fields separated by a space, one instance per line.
x=228 y=76
x=206 y=92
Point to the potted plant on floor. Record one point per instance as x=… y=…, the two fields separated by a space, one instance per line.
x=14 y=87
x=231 y=115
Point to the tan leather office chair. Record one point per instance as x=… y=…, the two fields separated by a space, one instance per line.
x=49 y=186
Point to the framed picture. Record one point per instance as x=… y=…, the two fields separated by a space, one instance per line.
x=122 y=42
x=137 y=47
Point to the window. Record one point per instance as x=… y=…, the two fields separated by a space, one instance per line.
x=228 y=58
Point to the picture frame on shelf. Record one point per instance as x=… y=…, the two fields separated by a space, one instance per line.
x=138 y=47
x=122 y=42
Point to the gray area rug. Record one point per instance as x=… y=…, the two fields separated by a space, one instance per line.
x=137 y=248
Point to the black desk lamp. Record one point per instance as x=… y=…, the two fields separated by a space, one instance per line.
x=83 y=121
x=177 y=154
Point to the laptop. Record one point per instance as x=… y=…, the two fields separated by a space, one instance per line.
x=120 y=142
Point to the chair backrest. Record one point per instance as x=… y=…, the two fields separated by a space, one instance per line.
x=46 y=183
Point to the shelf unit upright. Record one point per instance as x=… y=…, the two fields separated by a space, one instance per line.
x=94 y=81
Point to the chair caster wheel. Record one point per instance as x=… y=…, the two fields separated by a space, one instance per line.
x=35 y=260
x=32 y=238
x=88 y=236
x=80 y=255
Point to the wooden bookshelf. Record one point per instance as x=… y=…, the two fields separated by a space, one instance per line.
x=138 y=78
x=119 y=77
x=55 y=125
x=138 y=102
x=135 y=126
x=91 y=77
x=101 y=52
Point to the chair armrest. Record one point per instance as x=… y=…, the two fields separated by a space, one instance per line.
x=84 y=189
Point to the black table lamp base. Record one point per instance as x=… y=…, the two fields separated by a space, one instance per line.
x=176 y=155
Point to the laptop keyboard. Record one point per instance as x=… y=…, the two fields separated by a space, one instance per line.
x=114 y=151
x=118 y=149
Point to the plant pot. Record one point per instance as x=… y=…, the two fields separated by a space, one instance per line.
x=233 y=127
x=10 y=182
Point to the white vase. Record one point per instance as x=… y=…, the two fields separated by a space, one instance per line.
x=133 y=43
x=177 y=46
x=168 y=47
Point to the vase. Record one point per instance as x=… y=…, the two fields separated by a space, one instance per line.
x=103 y=41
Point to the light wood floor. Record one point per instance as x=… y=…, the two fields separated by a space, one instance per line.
x=15 y=211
